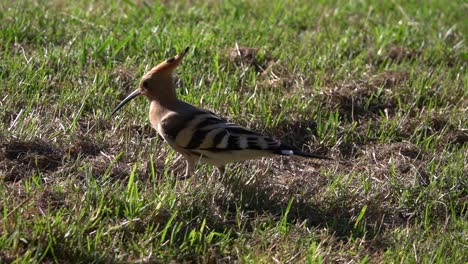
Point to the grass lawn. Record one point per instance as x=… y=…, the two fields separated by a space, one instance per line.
x=380 y=86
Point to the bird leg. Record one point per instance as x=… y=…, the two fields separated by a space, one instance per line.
x=222 y=170
x=189 y=169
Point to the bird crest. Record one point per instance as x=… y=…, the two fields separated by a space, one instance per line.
x=168 y=66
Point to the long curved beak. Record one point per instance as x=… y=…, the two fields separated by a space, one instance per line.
x=126 y=100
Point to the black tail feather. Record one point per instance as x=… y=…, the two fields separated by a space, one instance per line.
x=310 y=155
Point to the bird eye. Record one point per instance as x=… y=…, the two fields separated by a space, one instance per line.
x=170 y=60
x=145 y=84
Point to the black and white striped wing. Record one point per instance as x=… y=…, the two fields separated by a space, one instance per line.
x=206 y=132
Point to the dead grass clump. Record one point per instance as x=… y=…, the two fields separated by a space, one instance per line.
x=276 y=76
x=436 y=123
x=402 y=161
x=439 y=121
x=390 y=79
x=51 y=200
x=242 y=56
x=366 y=97
x=399 y=53
x=7 y=116
x=93 y=124
x=145 y=131
x=10 y=258
x=384 y=152
x=103 y=166
x=348 y=151
x=18 y=159
x=11 y=171
x=273 y=81
x=247 y=57
x=123 y=77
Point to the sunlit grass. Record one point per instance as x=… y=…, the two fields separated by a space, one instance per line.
x=378 y=86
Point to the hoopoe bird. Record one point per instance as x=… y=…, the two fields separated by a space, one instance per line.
x=198 y=134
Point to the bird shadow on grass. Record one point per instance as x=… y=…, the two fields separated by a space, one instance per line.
x=296 y=208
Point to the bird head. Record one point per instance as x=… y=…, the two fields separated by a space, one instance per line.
x=158 y=83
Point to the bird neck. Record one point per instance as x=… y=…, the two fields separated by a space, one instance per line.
x=158 y=109
x=166 y=99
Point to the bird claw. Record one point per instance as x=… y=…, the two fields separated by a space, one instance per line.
x=184 y=177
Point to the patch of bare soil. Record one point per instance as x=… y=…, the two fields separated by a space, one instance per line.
x=455 y=137
x=84 y=146
x=145 y=131
x=18 y=159
x=22 y=158
x=103 y=166
x=369 y=97
x=398 y=54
